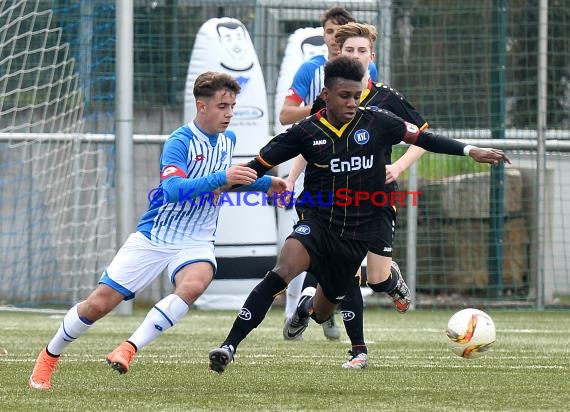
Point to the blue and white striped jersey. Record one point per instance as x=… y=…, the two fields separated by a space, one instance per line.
x=308 y=81
x=310 y=77
x=192 y=163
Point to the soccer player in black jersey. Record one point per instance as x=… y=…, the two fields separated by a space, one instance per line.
x=345 y=147
x=356 y=40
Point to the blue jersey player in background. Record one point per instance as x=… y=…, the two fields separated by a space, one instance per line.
x=176 y=233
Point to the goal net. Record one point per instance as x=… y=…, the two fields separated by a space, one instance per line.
x=55 y=223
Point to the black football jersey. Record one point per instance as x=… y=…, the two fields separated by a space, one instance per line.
x=379 y=95
x=345 y=166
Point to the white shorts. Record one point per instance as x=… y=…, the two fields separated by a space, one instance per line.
x=139 y=262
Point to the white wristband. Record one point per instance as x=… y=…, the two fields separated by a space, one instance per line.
x=467 y=149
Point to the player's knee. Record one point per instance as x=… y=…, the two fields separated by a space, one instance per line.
x=94 y=309
x=378 y=274
x=192 y=289
x=287 y=270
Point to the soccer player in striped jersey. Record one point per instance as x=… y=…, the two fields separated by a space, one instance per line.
x=345 y=147
x=305 y=88
x=176 y=233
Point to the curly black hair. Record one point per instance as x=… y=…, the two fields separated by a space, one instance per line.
x=345 y=68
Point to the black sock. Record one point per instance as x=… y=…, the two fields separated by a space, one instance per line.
x=255 y=308
x=351 y=309
x=356 y=349
x=387 y=286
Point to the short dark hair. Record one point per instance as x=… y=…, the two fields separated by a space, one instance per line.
x=338 y=15
x=208 y=83
x=343 y=67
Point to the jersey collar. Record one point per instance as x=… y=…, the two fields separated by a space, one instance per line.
x=325 y=122
x=202 y=135
x=340 y=131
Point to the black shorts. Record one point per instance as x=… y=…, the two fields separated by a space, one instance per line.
x=383 y=238
x=334 y=259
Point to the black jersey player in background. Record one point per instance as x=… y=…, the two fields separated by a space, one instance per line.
x=345 y=147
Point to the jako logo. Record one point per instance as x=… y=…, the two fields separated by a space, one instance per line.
x=244 y=314
x=347 y=315
x=303 y=230
x=319 y=142
x=361 y=136
x=355 y=163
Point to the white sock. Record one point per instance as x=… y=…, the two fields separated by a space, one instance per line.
x=70 y=329
x=293 y=294
x=165 y=314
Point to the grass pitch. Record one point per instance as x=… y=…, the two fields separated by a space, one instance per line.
x=528 y=369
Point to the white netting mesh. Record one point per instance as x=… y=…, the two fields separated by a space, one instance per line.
x=55 y=223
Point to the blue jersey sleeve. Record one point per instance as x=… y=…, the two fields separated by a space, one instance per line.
x=175 y=155
x=307 y=83
x=262 y=184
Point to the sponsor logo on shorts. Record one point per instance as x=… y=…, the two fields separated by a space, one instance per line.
x=303 y=230
x=347 y=315
x=244 y=314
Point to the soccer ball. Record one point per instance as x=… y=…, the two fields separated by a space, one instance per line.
x=471 y=333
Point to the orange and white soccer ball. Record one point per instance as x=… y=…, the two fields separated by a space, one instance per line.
x=471 y=333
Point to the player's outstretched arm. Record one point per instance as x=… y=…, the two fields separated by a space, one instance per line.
x=442 y=144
